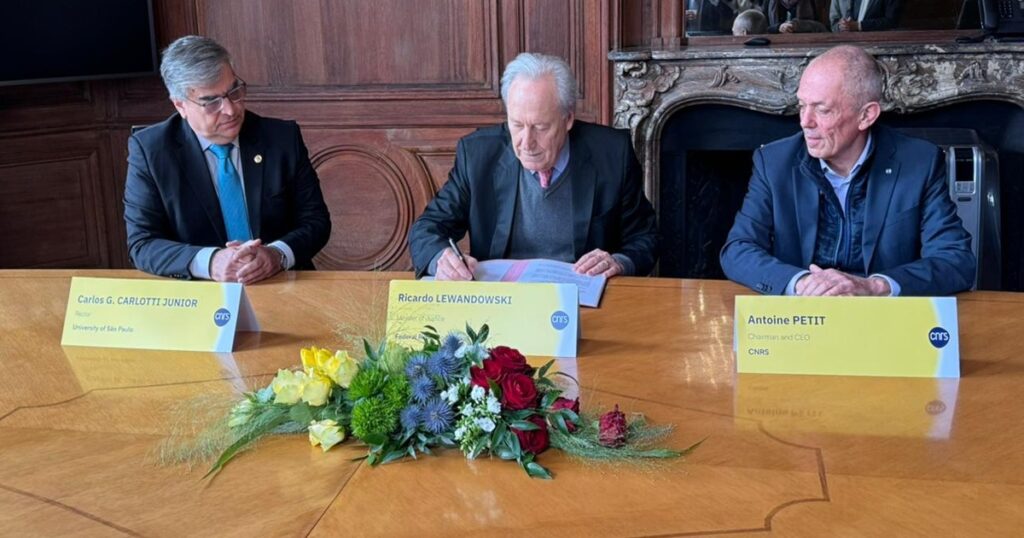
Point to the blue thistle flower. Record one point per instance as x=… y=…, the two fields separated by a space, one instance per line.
x=437 y=416
x=416 y=367
x=410 y=417
x=443 y=365
x=451 y=344
x=423 y=388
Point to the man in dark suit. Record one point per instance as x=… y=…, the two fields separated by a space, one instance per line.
x=215 y=192
x=541 y=185
x=865 y=15
x=846 y=207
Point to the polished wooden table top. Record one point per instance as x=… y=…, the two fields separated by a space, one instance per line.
x=785 y=455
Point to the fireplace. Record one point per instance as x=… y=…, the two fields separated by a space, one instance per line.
x=696 y=115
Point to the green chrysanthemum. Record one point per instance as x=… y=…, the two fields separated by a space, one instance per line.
x=373 y=416
x=396 y=392
x=394 y=358
x=367 y=383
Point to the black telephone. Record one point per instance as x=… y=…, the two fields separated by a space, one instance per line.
x=1002 y=17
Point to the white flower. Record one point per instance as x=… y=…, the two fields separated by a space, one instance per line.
x=477 y=394
x=493 y=405
x=485 y=424
x=459 y=432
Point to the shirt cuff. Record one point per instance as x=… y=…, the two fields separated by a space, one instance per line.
x=628 y=267
x=894 y=287
x=289 y=256
x=791 y=287
x=432 y=266
x=199 y=267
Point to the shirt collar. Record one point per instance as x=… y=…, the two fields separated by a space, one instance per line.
x=205 y=144
x=833 y=175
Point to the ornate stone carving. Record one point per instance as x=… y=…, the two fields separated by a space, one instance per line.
x=908 y=83
x=636 y=84
x=723 y=77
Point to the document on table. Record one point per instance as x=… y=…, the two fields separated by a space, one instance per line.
x=548 y=271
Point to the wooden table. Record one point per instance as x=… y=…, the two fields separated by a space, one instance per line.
x=789 y=455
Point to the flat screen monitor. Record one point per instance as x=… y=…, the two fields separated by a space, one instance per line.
x=63 y=40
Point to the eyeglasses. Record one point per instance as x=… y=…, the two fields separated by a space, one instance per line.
x=214 y=104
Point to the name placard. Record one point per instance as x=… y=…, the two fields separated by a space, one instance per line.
x=156 y=314
x=879 y=336
x=537 y=319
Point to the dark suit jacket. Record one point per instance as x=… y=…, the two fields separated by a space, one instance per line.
x=171 y=208
x=912 y=233
x=880 y=15
x=804 y=15
x=610 y=211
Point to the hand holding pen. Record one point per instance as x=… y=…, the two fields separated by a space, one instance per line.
x=454 y=265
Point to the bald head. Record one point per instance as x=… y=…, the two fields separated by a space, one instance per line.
x=859 y=72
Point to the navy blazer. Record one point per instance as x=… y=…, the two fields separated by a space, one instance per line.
x=171 y=207
x=610 y=211
x=912 y=233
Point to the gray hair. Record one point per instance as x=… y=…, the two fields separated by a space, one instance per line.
x=752 y=21
x=192 y=61
x=862 y=73
x=532 y=66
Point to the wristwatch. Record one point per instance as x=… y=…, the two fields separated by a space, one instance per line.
x=284 y=258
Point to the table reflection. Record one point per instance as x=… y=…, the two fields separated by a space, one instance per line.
x=876 y=406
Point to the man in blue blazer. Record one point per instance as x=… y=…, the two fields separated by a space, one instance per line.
x=215 y=192
x=847 y=207
x=540 y=185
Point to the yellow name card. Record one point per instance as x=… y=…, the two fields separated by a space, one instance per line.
x=156 y=314
x=537 y=319
x=879 y=336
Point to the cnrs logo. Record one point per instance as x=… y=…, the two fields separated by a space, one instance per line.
x=559 y=320
x=939 y=337
x=222 y=317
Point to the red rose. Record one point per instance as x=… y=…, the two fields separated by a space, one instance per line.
x=613 y=428
x=518 y=392
x=490 y=370
x=510 y=360
x=533 y=441
x=572 y=405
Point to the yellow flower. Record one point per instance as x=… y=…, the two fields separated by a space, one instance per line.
x=325 y=433
x=288 y=386
x=313 y=358
x=341 y=368
x=316 y=389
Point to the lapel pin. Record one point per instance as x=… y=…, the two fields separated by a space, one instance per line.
x=259 y=158
x=887 y=170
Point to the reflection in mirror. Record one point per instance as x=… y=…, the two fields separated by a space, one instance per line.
x=749 y=17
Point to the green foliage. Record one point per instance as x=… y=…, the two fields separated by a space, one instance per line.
x=394 y=357
x=373 y=417
x=396 y=392
x=368 y=382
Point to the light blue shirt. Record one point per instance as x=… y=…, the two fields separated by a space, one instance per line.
x=200 y=264
x=841 y=186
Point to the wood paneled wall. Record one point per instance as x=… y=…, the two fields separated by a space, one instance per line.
x=382 y=90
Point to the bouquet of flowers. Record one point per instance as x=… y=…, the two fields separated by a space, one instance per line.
x=455 y=392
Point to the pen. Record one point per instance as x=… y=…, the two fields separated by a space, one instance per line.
x=459 y=254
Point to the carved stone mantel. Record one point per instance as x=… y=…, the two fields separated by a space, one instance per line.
x=650 y=85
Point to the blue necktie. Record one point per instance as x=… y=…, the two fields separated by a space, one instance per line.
x=232 y=201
